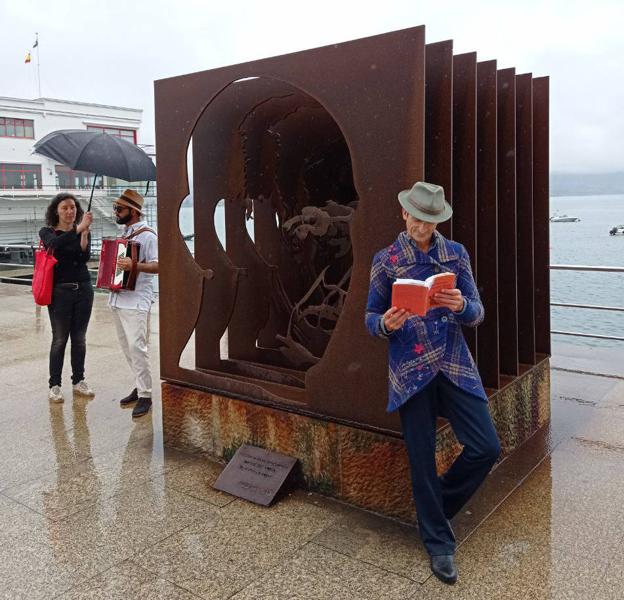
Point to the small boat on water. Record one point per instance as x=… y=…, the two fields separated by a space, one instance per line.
x=617 y=230
x=563 y=219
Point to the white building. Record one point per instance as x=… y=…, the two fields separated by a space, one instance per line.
x=23 y=122
x=28 y=181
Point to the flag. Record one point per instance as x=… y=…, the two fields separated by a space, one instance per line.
x=36 y=43
x=27 y=59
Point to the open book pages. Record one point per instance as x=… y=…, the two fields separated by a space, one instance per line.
x=412 y=282
x=438 y=278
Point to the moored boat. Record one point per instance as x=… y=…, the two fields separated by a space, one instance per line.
x=563 y=219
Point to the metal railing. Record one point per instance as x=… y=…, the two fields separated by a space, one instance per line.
x=25 y=279
x=48 y=191
x=20 y=225
x=25 y=269
x=585 y=268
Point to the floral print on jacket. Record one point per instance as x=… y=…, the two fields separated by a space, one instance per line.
x=435 y=343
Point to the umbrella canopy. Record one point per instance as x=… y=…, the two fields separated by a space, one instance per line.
x=98 y=153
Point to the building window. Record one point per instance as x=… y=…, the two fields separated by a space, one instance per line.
x=126 y=134
x=20 y=176
x=68 y=179
x=17 y=128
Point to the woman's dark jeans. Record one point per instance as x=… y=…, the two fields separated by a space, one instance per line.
x=69 y=312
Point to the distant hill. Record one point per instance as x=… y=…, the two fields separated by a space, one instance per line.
x=565 y=184
x=586 y=184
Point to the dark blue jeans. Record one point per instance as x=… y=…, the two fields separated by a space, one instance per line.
x=438 y=499
x=69 y=312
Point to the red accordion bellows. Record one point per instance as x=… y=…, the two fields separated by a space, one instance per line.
x=110 y=276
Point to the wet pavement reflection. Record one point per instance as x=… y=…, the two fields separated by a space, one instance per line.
x=92 y=505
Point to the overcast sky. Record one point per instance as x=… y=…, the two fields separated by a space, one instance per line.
x=110 y=52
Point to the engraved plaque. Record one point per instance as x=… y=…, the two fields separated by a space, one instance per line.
x=255 y=474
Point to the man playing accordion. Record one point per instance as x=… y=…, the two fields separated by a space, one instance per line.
x=131 y=307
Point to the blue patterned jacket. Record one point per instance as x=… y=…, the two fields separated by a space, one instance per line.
x=425 y=345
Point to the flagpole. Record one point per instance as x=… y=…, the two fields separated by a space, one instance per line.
x=38 y=65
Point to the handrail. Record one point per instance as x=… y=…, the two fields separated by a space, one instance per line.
x=5 y=276
x=47 y=188
x=588 y=268
x=589 y=306
x=30 y=266
x=603 y=269
x=22 y=265
x=589 y=335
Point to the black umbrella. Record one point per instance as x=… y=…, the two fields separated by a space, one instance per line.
x=98 y=153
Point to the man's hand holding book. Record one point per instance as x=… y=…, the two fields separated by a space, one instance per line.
x=415 y=297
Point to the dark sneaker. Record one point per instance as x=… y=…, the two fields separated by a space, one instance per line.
x=131 y=398
x=444 y=569
x=142 y=407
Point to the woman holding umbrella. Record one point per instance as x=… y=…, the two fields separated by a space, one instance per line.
x=67 y=234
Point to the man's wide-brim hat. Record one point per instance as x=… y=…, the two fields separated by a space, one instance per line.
x=131 y=199
x=426 y=202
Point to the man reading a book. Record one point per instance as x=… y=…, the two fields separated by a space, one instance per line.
x=431 y=371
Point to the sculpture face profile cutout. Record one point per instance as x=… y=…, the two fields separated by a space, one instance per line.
x=287 y=170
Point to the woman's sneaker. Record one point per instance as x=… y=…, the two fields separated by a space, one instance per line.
x=83 y=389
x=56 y=395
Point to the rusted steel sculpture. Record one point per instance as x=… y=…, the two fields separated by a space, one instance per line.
x=314 y=146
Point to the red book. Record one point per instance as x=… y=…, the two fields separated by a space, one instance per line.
x=416 y=296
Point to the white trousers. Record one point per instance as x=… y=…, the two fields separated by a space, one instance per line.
x=132 y=332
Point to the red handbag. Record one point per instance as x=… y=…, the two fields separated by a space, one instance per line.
x=43 y=275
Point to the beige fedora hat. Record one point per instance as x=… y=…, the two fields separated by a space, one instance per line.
x=426 y=202
x=131 y=199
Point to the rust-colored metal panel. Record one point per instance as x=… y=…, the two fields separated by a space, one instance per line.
x=487 y=224
x=507 y=231
x=524 y=204
x=374 y=90
x=359 y=385
x=439 y=121
x=465 y=163
x=541 y=213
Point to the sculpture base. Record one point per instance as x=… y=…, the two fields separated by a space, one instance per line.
x=363 y=468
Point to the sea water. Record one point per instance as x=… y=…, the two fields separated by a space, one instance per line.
x=586 y=242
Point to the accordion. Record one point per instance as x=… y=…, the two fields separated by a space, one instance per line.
x=110 y=276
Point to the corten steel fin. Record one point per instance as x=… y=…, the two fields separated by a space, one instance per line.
x=253 y=297
x=213 y=173
x=507 y=231
x=487 y=224
x=541 y=213
x=352 y=376
x=439 y=121
x=313 y=147
x=524 y=186
x=465 y=163
x=263 y=152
